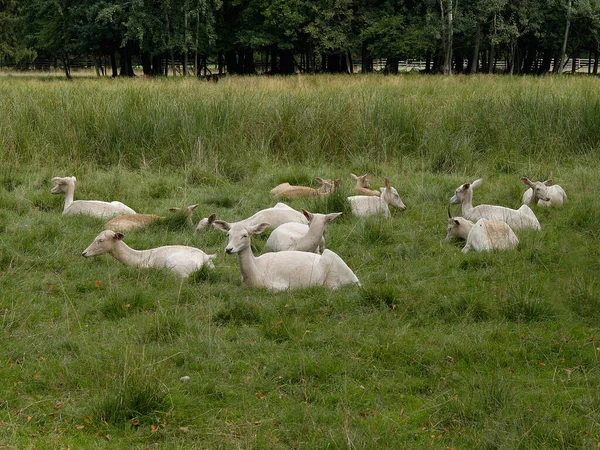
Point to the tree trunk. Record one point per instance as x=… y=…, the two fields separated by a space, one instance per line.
x=196 y=61
x=274 y=56
x=574 y=63
x=349 y=62
x=286 y=62
x=558 y=67
x=595 y=71
x=185 y=48
x=113 y=63
x=366 y=59
x=169 y=43
x=492 y=56
x=157 y=68
x=475 y=59
x=248 y=67
x=146 y=63
x=428 y=61
x=231 y=62
x=67 y=67
x=447 y=35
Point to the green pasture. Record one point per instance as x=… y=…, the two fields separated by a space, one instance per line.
x=437 y=349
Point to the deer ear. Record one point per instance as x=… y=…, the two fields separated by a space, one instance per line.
x=466 y=186
x=256 y=229
x=308 y=215
x=119 y=236
x=354 y=177
x=320 y=180
x=222 y=225
x=331 y=216
x=212 y=218
x=526 y=181
x=548 y=182
x=387 y=182
x=476 y=183
x=338 y=182
x=456 y=222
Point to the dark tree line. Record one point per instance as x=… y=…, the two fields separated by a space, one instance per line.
x=290 y=36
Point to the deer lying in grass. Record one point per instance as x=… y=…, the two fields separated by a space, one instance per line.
x=483 y=235
x=94 y=208
x=301 y=237
x=288 y=191
x=205 y=223
x=515 y=218
x=275 y=216
x=362 y=186
x=131 y=222
x=543 y=193
x=366 y=205
x=284 y=270
x=181 y=259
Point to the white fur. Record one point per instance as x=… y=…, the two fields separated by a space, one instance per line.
x=362 y=186
x=289 y=191
x=484 y=235
x=546 y=193
x=365 y=205
x=94 y=208
x=515 y=218
x=181 y=259
x=284 y=270
x=275 y=216
x=301 y=237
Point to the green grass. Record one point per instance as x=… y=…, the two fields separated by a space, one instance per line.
x=436 y=350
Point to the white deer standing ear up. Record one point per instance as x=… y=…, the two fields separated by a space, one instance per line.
x=283 y=270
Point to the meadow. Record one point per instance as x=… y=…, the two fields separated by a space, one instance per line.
x=437 y=349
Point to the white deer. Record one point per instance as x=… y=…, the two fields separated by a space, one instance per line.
x=366 y=205
x=94 y=208
x=301 y=237
x=275 y=216
x=284 y=270
x=181 y=259
x=515 y=218
x=543 y=193
x=483 y=235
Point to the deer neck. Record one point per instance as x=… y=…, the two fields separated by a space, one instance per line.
x=69 y=196
x=248 y=266
x=312 y=238
x=129 y=256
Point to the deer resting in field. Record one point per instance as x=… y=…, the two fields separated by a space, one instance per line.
x=366 y=205
x=543 y=193
x=283 y=270
x=515 y=218
x=288 y=191
x=181 y=259
x=362 y=186
x=481 y=236
x=301 y=237
x=275 y=216
x=94 y=208
x=131 y=222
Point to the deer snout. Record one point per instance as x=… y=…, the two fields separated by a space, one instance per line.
x=229 y=250
x=84 y=254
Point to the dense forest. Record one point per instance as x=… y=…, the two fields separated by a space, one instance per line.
x=290 y=36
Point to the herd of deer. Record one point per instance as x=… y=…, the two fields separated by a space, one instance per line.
x=296 y=256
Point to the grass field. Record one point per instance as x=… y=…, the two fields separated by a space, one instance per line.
x=437 y=349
